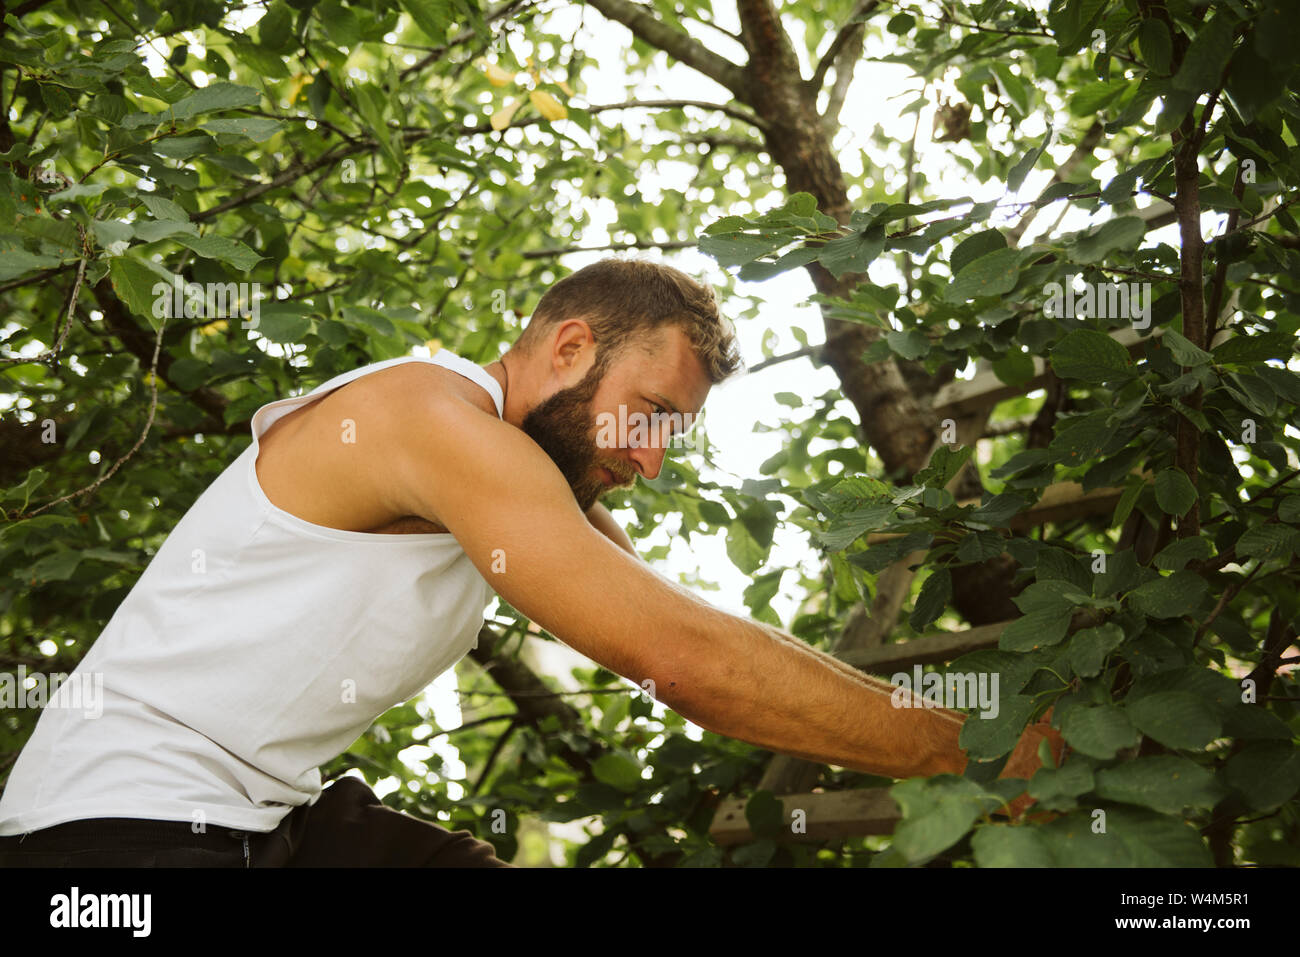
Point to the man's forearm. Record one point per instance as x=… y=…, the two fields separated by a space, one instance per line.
x=775 y=691
x=601 y=520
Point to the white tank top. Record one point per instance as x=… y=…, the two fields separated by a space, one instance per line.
x=254 y=647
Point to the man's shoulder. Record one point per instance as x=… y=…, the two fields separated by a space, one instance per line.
x=424 y=388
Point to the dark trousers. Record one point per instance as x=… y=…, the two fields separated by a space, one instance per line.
x=347 y=827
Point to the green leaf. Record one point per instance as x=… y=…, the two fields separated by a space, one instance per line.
x=975 y=246
x=1131 y=837
x=1001 y=845
x=1055 y=595
x=983 y=737
x=1165 y=783
x=216 y=96
x=1090 y=646
x=848 y=527
x=944 y=465
x=1268 y=542
x=739 y=249
x=1254 y=721
x=1156 y=45
x=1177 y=719
x=1203 y=63
x=745 y=553
x=1099 y=731
x=431 y=16
x=765 y=814
x=1014 y=368
x=937 y=812
x=1177 y=554
x=618 y=771
x=163 y=208
x=854 y=252
x=1037 y=629
x=992 y=274
x=370 y=320
x=999 y=510
x=1174 y=596
x=935 y=594
x=1018 y=172
x=340 y=23
x=1250 y=349
x=910 y=344
x=1175 y=493
x=274 y=30
x=1266 y=773
x=263 y=61
x=1184 y=351
x=133 y=282
x=56 y=566
x=1056 y=788
x=224 y=248
x=757 y=270
x=1123 y=232
x=256 y=129
x=1094 y=97
x=17 y=262
x=25 y=488
x=758 y=854
x=283 y=322
x=1089 y=355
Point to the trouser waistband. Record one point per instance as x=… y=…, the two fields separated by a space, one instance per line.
x=73 y=834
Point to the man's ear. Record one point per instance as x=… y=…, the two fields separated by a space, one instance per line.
x=573 y=346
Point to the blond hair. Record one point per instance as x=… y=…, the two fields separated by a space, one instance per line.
x=624 y=300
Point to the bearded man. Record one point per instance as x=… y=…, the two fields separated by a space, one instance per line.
x=345 y=559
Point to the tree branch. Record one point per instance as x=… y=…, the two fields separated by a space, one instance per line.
x=438 y=52
x=682 y=46
x=670 y=244
x=849 y=32
x=1082 y=151
x=797 y=354
x=731 y=111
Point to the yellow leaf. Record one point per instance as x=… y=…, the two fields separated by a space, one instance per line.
x=548 y=105
x=149 y=379
x=565 y=87
x=212 y=328
x=433 y=345
x=497 y=76
x=502 y=117
x=295 y=87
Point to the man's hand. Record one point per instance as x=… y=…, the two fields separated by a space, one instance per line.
x=1024 y=760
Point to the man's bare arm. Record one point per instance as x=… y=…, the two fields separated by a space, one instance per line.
x=600 y=519
x=515 y=516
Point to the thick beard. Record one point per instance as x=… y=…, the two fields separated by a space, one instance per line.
x=565 y=428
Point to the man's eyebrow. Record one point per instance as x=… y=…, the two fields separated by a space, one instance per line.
x=667 y=401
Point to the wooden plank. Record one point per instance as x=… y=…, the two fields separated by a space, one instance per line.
x=928 y=649
x=962 y=396
x=1066 y=500
x=1060 y=500
x=827 y=816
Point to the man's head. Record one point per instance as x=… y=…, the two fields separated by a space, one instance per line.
x=619 y=340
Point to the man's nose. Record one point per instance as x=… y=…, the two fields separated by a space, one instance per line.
x=648 y=459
